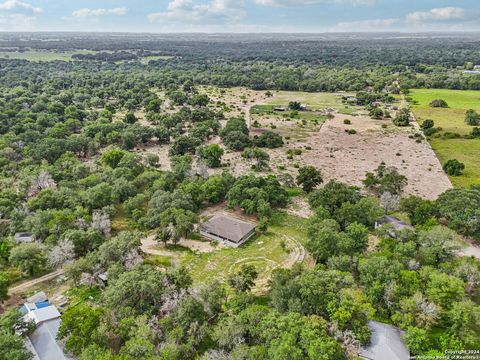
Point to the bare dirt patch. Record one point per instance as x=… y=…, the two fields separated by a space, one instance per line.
x=347 y=157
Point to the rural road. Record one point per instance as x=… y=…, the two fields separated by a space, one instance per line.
x=471 y=250
x=30 y=283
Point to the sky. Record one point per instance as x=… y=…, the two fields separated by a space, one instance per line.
x=240 y=16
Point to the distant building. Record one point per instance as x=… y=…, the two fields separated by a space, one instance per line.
x=397 y=224
x=386 y=343
x=226 y=229
x=43 y=341
x=476 y=67
x=279 y=109
x=472 y=72
x=24 y=237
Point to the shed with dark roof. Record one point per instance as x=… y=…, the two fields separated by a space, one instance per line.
x=397 y=224
x=226 y=229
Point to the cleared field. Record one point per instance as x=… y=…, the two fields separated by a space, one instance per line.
x=42 y=55
x=314 y=100
x=451 y=119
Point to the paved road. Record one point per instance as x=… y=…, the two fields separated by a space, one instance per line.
x=23 y=286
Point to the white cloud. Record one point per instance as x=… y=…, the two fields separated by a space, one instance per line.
x=215 y=12
x=365 y=25
x=15 y=5
x=437 y=14
x=313 y=2
x=16 y=22
x=86 y=12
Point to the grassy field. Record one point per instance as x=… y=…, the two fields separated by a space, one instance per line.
x=314 y=100
x=466 y=151
x=278 y=247
x=451 y=119
x=35 y=55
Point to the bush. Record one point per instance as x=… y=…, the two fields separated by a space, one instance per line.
x=402 y=118
x=269 y=140
x=347 y=122
x=428 y=124
x=453 y=167
x=472 y=118
x=438 y=103
x=475 y=132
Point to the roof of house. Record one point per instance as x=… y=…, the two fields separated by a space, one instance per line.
x=44 y=341
x=227 y=227
x=37 y=297
x=386 y=343
x=41 y=314
x=24 y=237
x=396 y=223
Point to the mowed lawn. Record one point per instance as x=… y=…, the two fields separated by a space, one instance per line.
x=451 y=119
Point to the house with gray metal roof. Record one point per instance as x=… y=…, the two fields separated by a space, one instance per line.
x=386 y=343
x=42 y=343
x=228 y=230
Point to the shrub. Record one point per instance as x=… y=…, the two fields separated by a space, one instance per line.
x=438 y=103
x=428 y=124
x=472 y=118
x=347 y=122
x=402 y=118
x=453 y=167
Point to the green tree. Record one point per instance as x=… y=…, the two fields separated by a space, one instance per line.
x=376 y=113
x=453 y=167
x=268 y=139
x=419 y=210
x=417 y=340
x=79 y=327
x=402 y=118
x=244 y=279
x=29 y=257
x=333 y=195
x=112 y=157
x=385 y=179
x=260 y=156
x=130 y=118
x=438 y=103
x=437 y=245
x=12 y=347
x=211 y=154
x=309 y=178
x=4 y=283
x=472 y=118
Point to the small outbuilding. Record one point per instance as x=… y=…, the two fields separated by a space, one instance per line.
x=386 y=343
x=397 y=224
x=226 y=229
x=24 y=237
